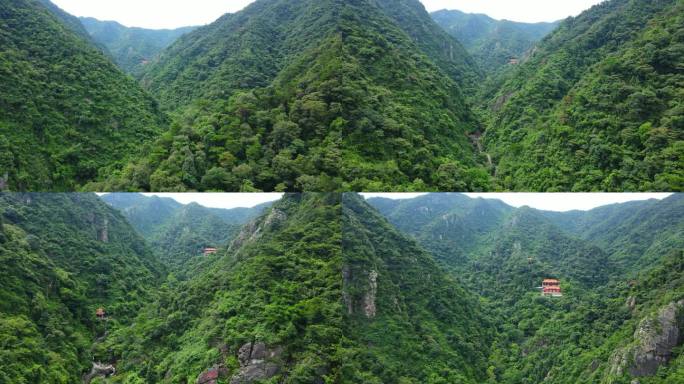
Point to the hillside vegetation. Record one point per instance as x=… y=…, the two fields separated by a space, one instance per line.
x=178 y=233
x=492 y=43
x=620 y=268
x=67 y=114
x=132 y=48
x=597 y=106
x=309 y=95
x=332 y=95
x=63 y=256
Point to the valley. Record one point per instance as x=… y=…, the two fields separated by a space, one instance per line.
x=309 y=96
x=338 y=288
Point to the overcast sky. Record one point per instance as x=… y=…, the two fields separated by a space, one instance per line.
x=547 y=201
x=221 y=200
x=180 y=13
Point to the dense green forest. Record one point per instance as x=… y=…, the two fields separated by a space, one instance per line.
x=132 y=48
x=492 y=43
x=308 y=95
x=67 y=114
x=329 y=288
x=598 y=106
x=179 y=233
x=620 y=267
x=63 y=256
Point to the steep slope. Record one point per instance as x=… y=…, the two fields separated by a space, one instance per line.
x=146 y=214
x=623 y=333
x=492 y=43
x=67 y=115
x=598 y=104
x=292 y=300
x=67 y=19
x=402 y=307
x=310 y=95
x=63 y=256
x=636 y=234
x=132 y=48
x=268 y=307
x=446 y=51
x=621 y=273
x=177 y=232
x=187 y=232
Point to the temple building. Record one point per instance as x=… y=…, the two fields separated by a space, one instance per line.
x=551 y=287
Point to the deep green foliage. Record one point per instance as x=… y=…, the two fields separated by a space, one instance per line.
x=62 y=257
x=67 y=114
x=279 y=283
x=179 y=233
x=312 y=95
x=344 y=296
x=598 y=106
x=492 y=43
x=345 y=95
x=419 y=314
x=603 y=257
x=132 y=48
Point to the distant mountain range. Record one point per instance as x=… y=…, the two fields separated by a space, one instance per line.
x=493 y=43
x=132 y=48
x=291 y=96
x=327 y=286
x=178 y=232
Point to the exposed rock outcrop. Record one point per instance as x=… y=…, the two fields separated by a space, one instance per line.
x=99 y=370
x=257 y=362
x=654 y=340
x=631 y=303
x=369 y=298
x=253 y=230
x=103 y=233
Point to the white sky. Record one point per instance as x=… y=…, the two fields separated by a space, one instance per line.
x=220 y=200
x=180 y=13
x=547 y=201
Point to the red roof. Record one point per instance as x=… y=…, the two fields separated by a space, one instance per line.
x=551 y=281
x=209 y=375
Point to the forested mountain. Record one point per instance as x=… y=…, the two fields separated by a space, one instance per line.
x=621 y=273
x=132 y=48
x=62 y=257
x=303 y=296
x=67 y=114
x=492 y=43
x=322 y=288
x=402 y=307
x=308 y=95
x=597 y=106
x=268 y=306
x=177 y=232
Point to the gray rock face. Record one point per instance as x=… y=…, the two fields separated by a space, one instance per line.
x=253 y=230
x=631 y=303
x=654 y=340
x=99 y=370
x=369 y=298
x=657 y=338
x=257 y=362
